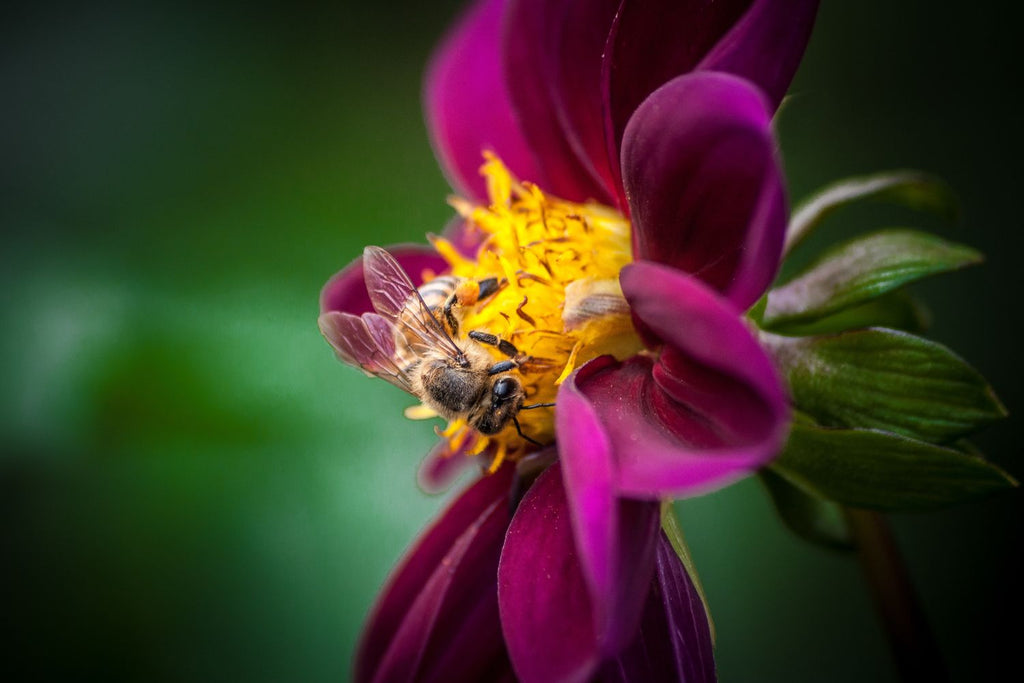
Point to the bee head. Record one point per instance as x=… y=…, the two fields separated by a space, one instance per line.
x=505 y=400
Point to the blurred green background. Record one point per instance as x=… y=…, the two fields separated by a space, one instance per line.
x=193 y=488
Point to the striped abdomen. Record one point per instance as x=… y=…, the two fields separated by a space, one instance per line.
x=435 y=294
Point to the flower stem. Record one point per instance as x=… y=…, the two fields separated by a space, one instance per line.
x=913 y=646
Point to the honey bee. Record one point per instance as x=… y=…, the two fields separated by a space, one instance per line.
x=410 y=341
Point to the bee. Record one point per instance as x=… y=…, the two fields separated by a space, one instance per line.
x=410 y=341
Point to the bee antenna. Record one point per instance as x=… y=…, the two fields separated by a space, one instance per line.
x=537 y=405
x=519 y=429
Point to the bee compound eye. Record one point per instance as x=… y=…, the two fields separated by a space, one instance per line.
x=504 y=388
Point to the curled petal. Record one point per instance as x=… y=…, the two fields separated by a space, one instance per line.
x=708 y=411
x=443 y=464
x=346 y=291
x=531 y=40
x=468 y=109
x=545 y=605
x=548 y=612
x=437 y=618
x=674 y=639
x=704 y=186
x=613 y=536
x=765 y=45
x=580 y=94
x=653 y=41
x=553 y=66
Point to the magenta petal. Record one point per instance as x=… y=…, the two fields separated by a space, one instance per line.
x=704 y=186
x=547 y=610
x=710 y=410
x=468 y=109
x=346 y=291
x=674 y=640
x=613 y=536
x=765 y=46
x=464 y=236
x=654 y=41
x=437 y=617
x=545 y=605
x=579 y=89
x=442 y=465
x=535 y=33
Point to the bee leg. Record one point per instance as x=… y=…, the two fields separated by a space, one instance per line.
x=503 y=366
x=505 y=346
x=519 y=430
x=449 y=316
x=537 y=405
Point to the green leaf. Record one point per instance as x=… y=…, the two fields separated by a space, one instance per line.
x=670 y=525
x=814 y=519
x=883 y=471
x=860 y=270
x=885 y=379
x=896 y=310
x=912 y=189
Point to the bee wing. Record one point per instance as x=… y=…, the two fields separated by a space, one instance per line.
x=398 y=301
x=366 y=342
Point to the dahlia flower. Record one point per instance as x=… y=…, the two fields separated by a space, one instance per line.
x=629 y=210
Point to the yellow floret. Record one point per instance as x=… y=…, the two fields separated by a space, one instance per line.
x=538 y=246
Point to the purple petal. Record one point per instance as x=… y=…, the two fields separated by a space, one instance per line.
x=704 y=186
x=534 y=34
x=652 y=42
x=674 y=640
x=553 y=52
x=442 y=465
x=580 y=95
x=766 y=45
x=468 y=109
x=437 y=618
x=346 y=291
x=710 y=410
x=547 y=609
x=545 y=605
x=463 y=236
x=613 y=536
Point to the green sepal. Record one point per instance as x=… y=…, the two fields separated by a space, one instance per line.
x=885 y=379
x=860 y=270
x=813 y=519
x=670 y=525
x=912 y=189
x=883 y=471
x=896 y=310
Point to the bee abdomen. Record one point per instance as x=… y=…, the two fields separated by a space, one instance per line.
x=436 y=292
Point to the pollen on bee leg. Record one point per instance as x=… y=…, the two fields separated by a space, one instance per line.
x=467 y=292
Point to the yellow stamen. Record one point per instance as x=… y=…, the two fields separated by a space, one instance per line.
x=570 y=364
x=499 y=457
x=538 y=246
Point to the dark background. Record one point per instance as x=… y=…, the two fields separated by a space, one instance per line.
x=193 y=488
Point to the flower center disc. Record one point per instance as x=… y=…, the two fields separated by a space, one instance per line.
x=559 y=304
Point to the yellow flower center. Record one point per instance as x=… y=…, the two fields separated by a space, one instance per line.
x=559 y=302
